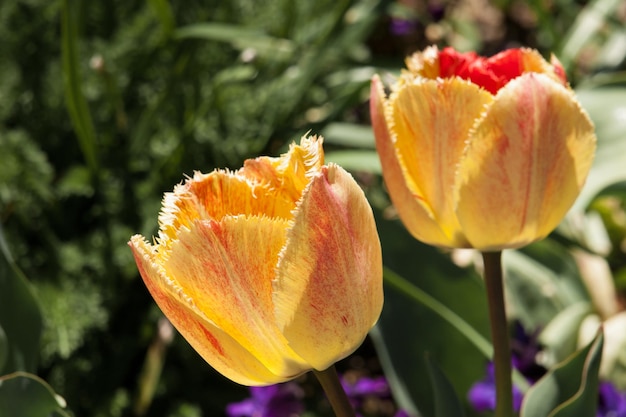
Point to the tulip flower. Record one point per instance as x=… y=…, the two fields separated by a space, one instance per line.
x=268 y=271
x=485 y=153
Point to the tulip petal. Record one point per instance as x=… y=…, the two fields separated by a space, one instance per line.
x=227 y=268
x=220 y=350
x=525 y=164
x=424 y=64
x=532 y=61
x=328 y=287
x=415 y=215
x=215 y=195
x=430 y=121
x=288 y=174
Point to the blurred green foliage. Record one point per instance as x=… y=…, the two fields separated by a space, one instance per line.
x=106 y=104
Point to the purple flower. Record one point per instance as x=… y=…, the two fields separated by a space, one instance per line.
x=365 y=386
x=401 y=27
x=524 y=350
x=611 y=402
x=482 y=395
x=271 y=401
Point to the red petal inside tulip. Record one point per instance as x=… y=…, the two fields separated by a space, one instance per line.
x=491 y=73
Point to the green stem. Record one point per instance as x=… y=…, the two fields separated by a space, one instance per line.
x=499 y=333
x=335 y=393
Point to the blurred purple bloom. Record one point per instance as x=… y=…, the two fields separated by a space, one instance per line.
x=401 y=27
x=524 y=350
x=271 y=401
x=437 y=10
x=402 y=413
x=611 y=402
x=482 y=395
x=365 y=386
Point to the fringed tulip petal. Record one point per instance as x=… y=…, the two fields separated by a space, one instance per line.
x=226 y=267
x=289 y=174
x=526 y=162
x=220 y=194
x=430 y=120
x=532 y=61
x=479 y=152
x=328 y=288
x=219 y=349
x=414 y=213
x=226 y=241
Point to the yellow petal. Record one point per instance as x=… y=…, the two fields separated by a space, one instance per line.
x=328 y=288
x=525 y=164
x=227 y=268
x=430 y=121
x=424 y=64
x=219 y=194
x=532 y=61
x=288 y=174
x=414 y=213
x=220 y=350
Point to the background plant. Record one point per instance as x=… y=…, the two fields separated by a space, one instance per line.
x=104 y=105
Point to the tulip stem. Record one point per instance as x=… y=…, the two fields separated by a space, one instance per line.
x=499 y=333
x=335 y=392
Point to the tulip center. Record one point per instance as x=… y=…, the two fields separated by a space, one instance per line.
x=491 y=73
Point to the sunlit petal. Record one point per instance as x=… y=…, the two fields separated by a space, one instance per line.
x=227 y=268
x=430 y=123
x=216 y=347
x=415 y=214
x=526 y=162
x=328 y=289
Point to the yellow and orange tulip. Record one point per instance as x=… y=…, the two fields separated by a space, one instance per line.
x=268 y=271
x=485 y=153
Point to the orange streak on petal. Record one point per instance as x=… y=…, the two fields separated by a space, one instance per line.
x=220 y=350
x=415 y=214
x=328 y=288
x=431 y=122
x=288 y=174
x=525 y=165
x=227 y=268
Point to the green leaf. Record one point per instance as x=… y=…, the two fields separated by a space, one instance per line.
x=20 y=315
x=163 y=11
x=447 y=402
x=606 y=107
x=541 y=280
x=74 y=97
x=570 y=389
x=408 y=329
x=366 y=161
x=560 y=336
x=4 y=348
x=26 y=395
x=349 y=134
x=238 y=36
x=588 y=22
